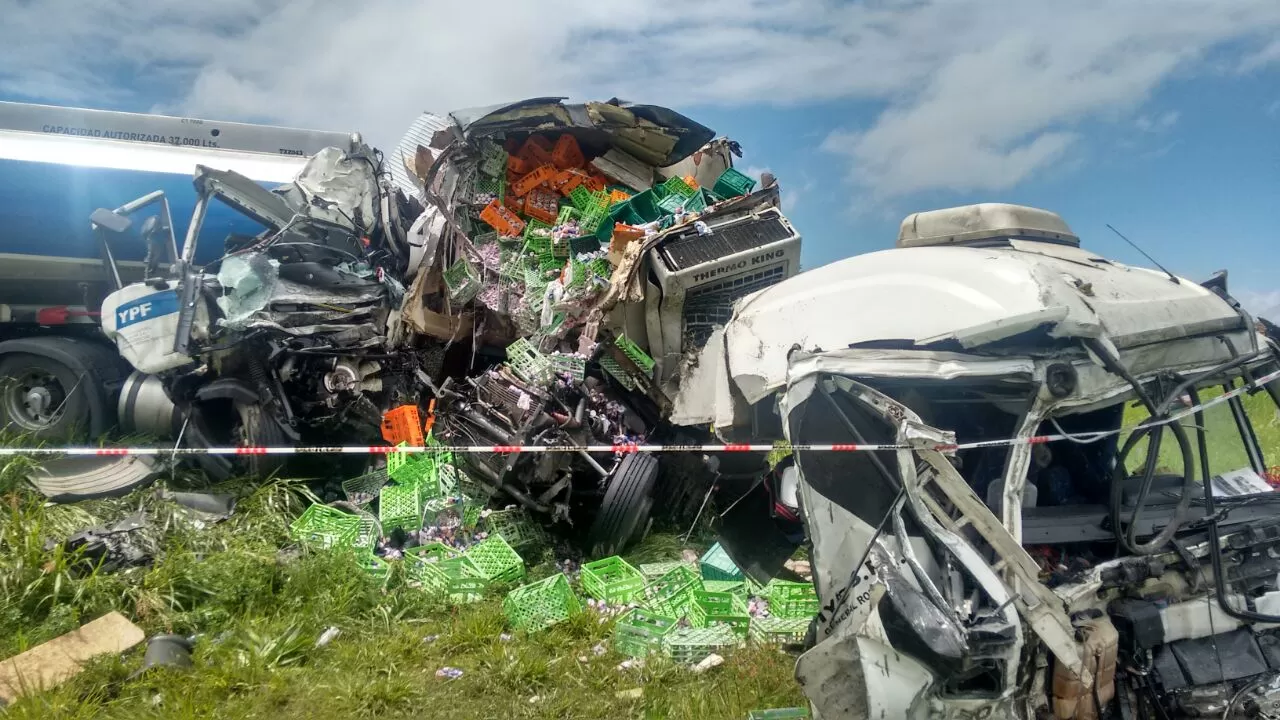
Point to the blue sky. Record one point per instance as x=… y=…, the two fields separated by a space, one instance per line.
x=1157 y=116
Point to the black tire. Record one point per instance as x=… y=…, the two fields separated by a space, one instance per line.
x=259 y=429
x=43 y=398
x=623 y=517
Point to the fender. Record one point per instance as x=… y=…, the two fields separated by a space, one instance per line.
x=229 y=389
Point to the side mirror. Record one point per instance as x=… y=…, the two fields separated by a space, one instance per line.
x=110 y=221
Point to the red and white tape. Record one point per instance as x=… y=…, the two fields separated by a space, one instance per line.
x=628 y=448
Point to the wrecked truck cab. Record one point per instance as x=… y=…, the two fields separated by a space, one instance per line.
x=593 y=247
x=990 y=533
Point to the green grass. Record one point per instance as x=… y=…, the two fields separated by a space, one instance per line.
x=257 y=611
x=1226 y=450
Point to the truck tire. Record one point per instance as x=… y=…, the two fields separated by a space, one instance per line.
x=211 y=427
x=58 y=388
x=623 y=517
x=259 y=429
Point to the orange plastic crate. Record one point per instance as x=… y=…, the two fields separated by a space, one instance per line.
x=566 y=180
x=566 y=153
x=690 y=181
x=537 y=150
x=402 y=425
x=501 y=219
x=514 y=204
x=539 y=175
x=542 y=204
x=518 y=165
x=624 y=235
x=597 y=183
x=617 y=196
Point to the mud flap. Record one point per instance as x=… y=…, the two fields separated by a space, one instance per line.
x=73 y=479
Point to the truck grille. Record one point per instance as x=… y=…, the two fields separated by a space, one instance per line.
x=691 y=249
x=711 y=305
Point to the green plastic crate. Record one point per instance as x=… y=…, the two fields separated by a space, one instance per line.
x=439 y=510
x=641 y=632
x=462 y=282
x=716 y=565
x=490 y=187
x=400 y=506
x=653 y=571
x=588 y=202
x=567 y=213
x=778 y=630
x=575 y=366
x=612 y=580
x=672 y=593
x=539 y=605
x=791 y=599
x=612 y=367
x=367 y=533
x=433 y=552
x=496 y=560
x=364 y=489
x=733 y=587
x=732 y=183
x=416 y=469
x=455 y=579
x=324 y=527
x=584 y=244
x=601 y=268
x=493 y=160
x=525 y=360
x=677 y=186
x=795 y=713
x=709 y=609
x=471 y=510
x=639 y=209
x=518 y=529
x=692 y=645
x=633 y=351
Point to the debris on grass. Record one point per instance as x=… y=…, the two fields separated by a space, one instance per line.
x=449 y=673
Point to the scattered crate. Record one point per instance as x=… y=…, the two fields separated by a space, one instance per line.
x=432 y=552
x=653 y=571
x=462 y=281
x=588 y=202
x=677 y=186
x=486 y=189
x=567 y=213
x=493 y=160
x=364 y=489
x=795 y=713
x=442 y=511
x=518 y=165
x=612 y=367
x=324 y=527
x=566 y=181
x=373 y=565
x=716 y=565
x=617 y=195
x=709 y=609
x=537 y=150
x=779 y=630
x=612 y=580
x=601 y=268
x=584 y=244
x=575 y=366
x=402 y=425
x=400 y=506
x=455 y=579
x=539 y=605
x=543 y=205
x=791 y=599
x=529 y=364
x=692 y=645
x=516 y=527
x=633 y=351
x=732 y=183
x=733 y=587
x=672 y=593
x=416 y=470
x=640 y=632
x=502 y=219
x=496 y=560
x=537 y=176
x=566 y=153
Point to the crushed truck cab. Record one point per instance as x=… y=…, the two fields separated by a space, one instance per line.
x=991 y=536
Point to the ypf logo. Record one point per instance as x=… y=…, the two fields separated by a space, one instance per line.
x=148 y=307
x=134 y=314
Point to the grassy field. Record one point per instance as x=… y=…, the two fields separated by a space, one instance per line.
x=1226 y=450
x=258 y=611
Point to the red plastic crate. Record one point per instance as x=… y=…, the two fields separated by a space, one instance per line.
x=543 y=205
x=566 y=153
x=501 y=219
x=536 y=177
x=403 y=425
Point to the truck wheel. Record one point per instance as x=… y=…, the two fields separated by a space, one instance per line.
x=623 y=517
x=42 y=397
x=258 y=429
x=223 y=423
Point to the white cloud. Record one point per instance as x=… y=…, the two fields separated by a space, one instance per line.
x=974 y=94
x=1264 y=303
x=1264 y=56
x=1156 y=123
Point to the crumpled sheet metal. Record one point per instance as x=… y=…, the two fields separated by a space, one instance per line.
x=340 y=188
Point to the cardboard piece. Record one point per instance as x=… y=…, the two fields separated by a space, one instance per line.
x=49 y=664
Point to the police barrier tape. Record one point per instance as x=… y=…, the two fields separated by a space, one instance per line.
x=1082 y=437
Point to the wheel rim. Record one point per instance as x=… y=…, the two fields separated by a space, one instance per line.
x=33 y=399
